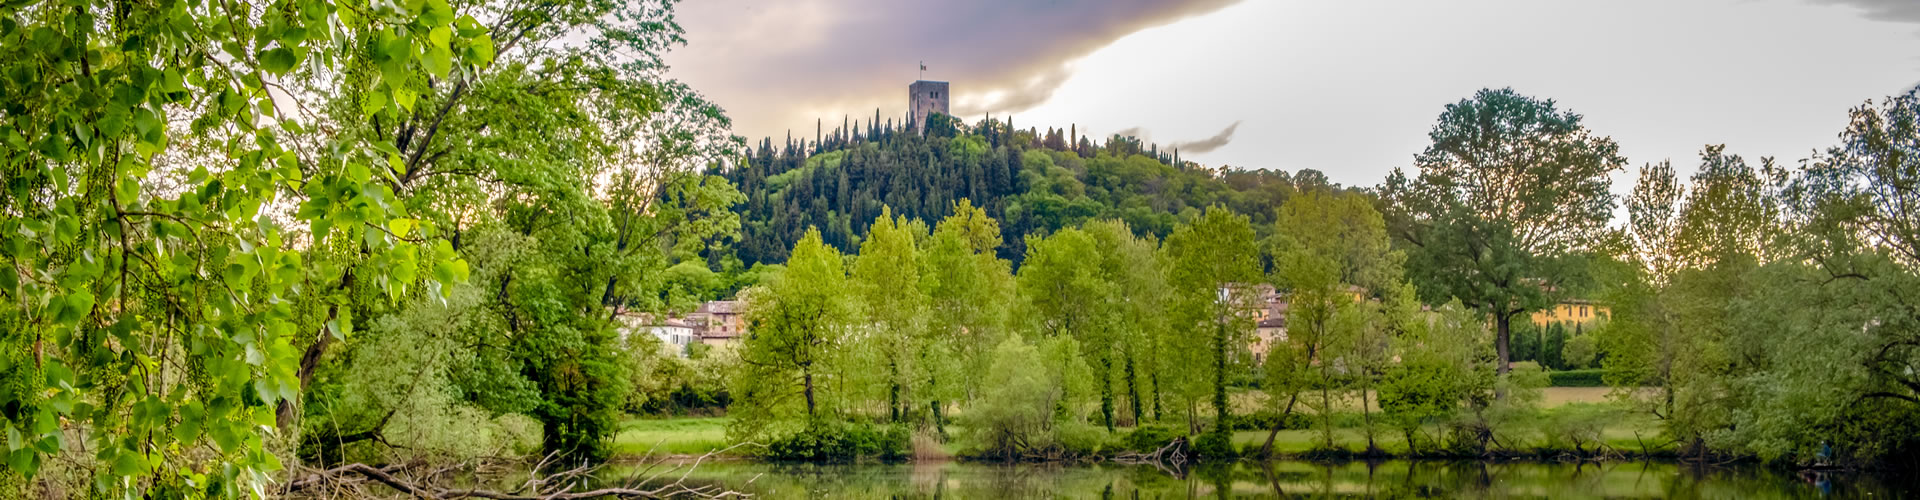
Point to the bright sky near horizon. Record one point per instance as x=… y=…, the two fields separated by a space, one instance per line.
x=1348 y=87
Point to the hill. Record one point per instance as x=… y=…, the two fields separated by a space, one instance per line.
x=1033 y=181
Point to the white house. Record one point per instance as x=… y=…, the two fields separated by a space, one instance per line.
x=675 y=333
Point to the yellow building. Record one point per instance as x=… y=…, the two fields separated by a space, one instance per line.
x=1571 y=311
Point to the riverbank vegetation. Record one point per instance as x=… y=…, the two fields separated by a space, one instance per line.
x=1755 y=310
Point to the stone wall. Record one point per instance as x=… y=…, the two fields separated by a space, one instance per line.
x=923 y=98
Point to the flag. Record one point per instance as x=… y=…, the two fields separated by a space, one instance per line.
x=923 y=66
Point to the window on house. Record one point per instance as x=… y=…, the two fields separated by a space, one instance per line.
x=936 y=95
x=1583 y=311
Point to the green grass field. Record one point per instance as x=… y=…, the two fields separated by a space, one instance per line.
x=1617 y=428
x=1623 y=431
x=671 y=436
x=1251 y=400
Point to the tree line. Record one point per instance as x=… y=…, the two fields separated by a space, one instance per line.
x=1757 y=310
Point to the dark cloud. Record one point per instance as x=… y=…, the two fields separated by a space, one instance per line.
x=1903 y=11
x=781 y=64
x=1209 y=144
x=1134 y=132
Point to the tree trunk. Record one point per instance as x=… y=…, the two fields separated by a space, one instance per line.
x=1504 y=323
x=1106 y=391
x=1156 y=395
x=284 y=413
x=1366 y=413
x=1193 y=425
x=1326 y=405
x=1221 y=411
x=1266 y=450
x=893 y=391
x=939 y=420
x=1133 y=390
x=806 y=374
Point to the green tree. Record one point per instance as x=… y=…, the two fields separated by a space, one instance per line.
x=1314 y=299
x=1692 y=248
x=1066 y=295
x=177 y=233
x=1327 y=248
x=1579 y=352
x=1443 y=367
x=1213 y=266
x=887 y=275
x=970 y=289
x=1510 y=188
x=799 y=326
x=1136 y=319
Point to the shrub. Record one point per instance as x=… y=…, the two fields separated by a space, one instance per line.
x=1081 y=440
x=1215 y=445
x=1148 y=438
x=839 y=441
x=1593 y=377
x=1264 y=420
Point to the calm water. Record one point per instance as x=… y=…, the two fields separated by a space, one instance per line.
x=1433 y=479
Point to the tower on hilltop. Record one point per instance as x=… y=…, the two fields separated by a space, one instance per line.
x=923 y=99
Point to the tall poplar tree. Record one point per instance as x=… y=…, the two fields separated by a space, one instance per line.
x=1214 y=267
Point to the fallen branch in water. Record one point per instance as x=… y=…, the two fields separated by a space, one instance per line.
x=562 y=485
x=1173 y=454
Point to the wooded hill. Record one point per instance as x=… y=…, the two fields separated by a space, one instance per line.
x=1032 y=180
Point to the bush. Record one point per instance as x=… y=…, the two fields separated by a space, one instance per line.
x=1264 y=420
x=839 y=441
x=1215 y=445
x=1148 y=438
x=1081 y=440
x=1593 y=377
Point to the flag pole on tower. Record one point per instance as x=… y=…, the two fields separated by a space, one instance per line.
x=923 y=70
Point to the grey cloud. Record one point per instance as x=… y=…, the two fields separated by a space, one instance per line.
x=1134 y=132
x=1209 y=144
x=1021 y=97
x=781 y=64
x=1905 y=11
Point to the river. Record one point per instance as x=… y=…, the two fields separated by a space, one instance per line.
x=1287 y=479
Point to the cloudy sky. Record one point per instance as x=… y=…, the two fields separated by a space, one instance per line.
x=1349 y=87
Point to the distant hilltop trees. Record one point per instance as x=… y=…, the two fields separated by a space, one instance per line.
x=1034 y=180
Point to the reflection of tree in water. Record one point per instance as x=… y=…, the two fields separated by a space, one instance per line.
x=1288 y=479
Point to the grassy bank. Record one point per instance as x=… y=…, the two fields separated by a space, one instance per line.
x=671 y=436
x=1578 y=412
x=1560 y=429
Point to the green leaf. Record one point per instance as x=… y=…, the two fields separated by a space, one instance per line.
x=405 y=98
x=436 y=13
x=480 y=50
x=75 y=307
x=401 y=226
x=187 y=431
x=439 y=36
x=395 y=164
x=376 y=101
x=437 y=61
x=469 y=27
x=359 y=173
x=278 y=61
x=129 y=463
x=24 y=461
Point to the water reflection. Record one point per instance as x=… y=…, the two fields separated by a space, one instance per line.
x=1286 y=479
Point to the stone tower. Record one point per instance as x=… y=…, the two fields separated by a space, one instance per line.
x=925 y=98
